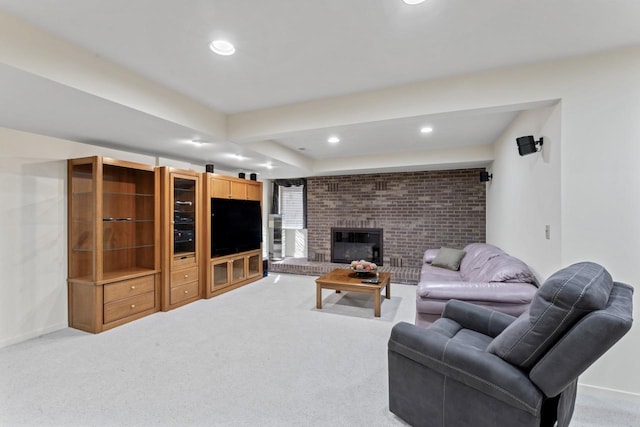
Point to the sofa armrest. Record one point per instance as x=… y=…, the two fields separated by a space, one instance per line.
x=466 y=364
x=499 y=292
x=479 y=319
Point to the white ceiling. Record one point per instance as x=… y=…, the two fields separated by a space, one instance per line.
x=291 y=51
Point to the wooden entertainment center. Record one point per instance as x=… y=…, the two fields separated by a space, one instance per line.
x=139 y=240
x=231 y=271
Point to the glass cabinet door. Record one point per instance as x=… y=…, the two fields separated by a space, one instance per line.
x=254 y=265
x=238 y=269
x=184 y=217
x=82 y=237
x=220 y=274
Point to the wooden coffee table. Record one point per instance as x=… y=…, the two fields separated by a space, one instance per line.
x=344 y=279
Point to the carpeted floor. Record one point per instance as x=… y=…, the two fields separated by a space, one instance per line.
x=261 y=355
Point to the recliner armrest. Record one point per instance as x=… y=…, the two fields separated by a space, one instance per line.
x=475 y=368
x=477 y=318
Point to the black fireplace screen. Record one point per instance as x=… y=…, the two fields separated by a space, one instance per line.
x=351 y=244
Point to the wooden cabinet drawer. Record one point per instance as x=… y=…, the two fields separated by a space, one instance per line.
x=128 y=307
x=184 y=260
x=184 y=292
x=186 y=275
x=128 y=288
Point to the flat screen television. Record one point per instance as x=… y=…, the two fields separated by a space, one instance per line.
x=236 y=226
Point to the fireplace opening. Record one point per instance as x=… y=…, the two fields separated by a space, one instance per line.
x=349 y=244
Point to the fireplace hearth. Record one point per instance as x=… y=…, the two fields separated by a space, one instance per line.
x=349 y=244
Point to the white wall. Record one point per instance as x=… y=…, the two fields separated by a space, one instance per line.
x=524 y=194
x=592 y=158
x=295 y=242
x=33 y=253
x=600 y=180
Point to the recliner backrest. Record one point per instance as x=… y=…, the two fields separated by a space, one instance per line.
x=565 y=298
x=587 y=340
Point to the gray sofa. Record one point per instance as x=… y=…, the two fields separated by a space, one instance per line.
x=482 y=368
x=487 y=277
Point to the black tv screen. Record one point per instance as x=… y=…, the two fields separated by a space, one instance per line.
x=236 y=226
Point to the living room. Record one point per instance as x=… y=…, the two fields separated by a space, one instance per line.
x=581 y=184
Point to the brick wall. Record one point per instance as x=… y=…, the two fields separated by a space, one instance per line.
x=416 y=210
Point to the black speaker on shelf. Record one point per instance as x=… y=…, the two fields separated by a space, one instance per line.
x=253 y=177
x=241 y=175
x=209 y=167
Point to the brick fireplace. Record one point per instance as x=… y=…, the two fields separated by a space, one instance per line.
x=416 y=210
x=349 y=244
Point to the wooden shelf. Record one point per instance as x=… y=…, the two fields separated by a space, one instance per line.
x=113 y=240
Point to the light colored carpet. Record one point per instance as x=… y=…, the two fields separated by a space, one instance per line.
x=261 y=355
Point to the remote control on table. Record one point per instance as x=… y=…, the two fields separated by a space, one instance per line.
x=371 y=281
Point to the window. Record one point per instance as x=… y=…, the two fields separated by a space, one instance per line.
x=292 y=207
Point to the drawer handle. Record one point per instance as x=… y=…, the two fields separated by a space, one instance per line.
x=133 y=287
x=133 y=306
x=186 y=276
x=186 y=292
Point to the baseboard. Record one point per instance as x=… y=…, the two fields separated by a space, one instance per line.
x=609 y=391
x=32 y=334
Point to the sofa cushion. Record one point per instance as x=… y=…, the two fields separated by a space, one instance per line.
x=429 y=255
x=561 y=301
x=502 y=268
x=448 y=258
x=477 y=256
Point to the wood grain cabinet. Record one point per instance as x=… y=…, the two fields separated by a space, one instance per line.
x=232 y=271
x=228 y=272
x=113 y=242
x=227 y=187
x=181 y=236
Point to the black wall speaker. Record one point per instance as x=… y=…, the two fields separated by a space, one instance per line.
x=528 y=145
x=485 y=176
x=241 y=175
x=253 y=177
x=209 y=167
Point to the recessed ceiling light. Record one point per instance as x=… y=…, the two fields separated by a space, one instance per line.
x=222 y=47
x=333 y=140
x=413 y=1
x=426 y=129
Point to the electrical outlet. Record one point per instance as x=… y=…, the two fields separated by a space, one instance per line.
x=547 y=232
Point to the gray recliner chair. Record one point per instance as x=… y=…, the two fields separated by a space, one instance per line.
x=478 y=367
